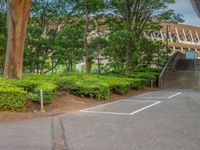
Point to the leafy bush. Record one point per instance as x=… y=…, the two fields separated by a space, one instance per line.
x=27 y=85
x=15 y=93
x=67 y=83
x=147 y=70
x=12 y=98
x=48 y=96
x=44 y=82
x=117 y=85
x=49 y=91
x=136 y=83
x=148 y=76
x=92 y=88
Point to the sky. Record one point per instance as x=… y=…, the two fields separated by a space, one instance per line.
x=184 y=7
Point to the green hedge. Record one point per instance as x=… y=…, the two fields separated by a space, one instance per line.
x=117 y=85
x=27 y=85
x=80 y=82
x=12 y=98
x=92 y=88
x=146 y=76
x=14 y=94
x=49 y=92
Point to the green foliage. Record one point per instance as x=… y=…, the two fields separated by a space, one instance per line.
x=3 y=34
x=67 y=83
x=147 y=74
x=83 y=84
x=46 y=83
x=48 y=96
x=48 y=20
x=27 y=85
x=116 y=84
x=92 y=88
x=12 y=98
x=49 y=91
x=14 y=94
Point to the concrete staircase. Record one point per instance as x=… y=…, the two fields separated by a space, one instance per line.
x=185 y=74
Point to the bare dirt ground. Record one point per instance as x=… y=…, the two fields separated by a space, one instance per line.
x=64 y=103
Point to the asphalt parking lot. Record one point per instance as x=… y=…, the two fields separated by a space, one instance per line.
x=160 y=120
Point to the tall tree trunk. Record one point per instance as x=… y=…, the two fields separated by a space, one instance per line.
x=52 y=64
x=98 y=59
x=18 y=14
x=86 y=48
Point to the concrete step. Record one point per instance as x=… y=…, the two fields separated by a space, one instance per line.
x=183 y=75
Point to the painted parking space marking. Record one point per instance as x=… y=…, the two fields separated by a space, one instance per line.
x=175 y=95
x=133 y=100
x=142 y=94
x=90 y=110
x=137 y=111
x=106 y=112
x=101 y=105
x=110 y=108
x=160 y=97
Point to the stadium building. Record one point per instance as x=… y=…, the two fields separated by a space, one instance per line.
x=179 y=37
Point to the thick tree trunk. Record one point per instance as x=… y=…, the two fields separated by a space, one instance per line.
x=18 y=14
x=99 y=61
x=88 y=61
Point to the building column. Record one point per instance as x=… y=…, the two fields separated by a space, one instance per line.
x=185 y=36
x=191 y=36
x=182 y=50
x=177 y=35
x=162 y=36
x=145 y=35
x=197 y=36
x=152 y=36
x=170 y=36
x=174 y=48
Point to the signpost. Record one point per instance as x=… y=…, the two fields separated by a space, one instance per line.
x=42 y=100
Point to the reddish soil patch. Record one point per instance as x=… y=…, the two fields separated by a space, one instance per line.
x=63 y=104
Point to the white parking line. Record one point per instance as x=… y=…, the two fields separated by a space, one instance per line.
x=137 y=111
x=116 y=113
x=148 y=101
x=171 y=96
x=142 y=94
x=106 y=112
x=175 y=95
x=151 y=97
x=100 y=105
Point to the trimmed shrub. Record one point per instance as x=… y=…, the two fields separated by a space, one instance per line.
x=27 y=85
x=49 y=91
x=147 y=70
x=45 y=82
x=67 y=83
x=117 y=85
x=136 y=83
x=12 y=98
x=148 y=76
x=92 y=88
x=15 y=93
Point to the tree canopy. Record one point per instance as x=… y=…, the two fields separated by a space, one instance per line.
x=62 y=34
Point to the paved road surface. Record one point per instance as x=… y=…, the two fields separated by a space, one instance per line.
x=162 y=120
